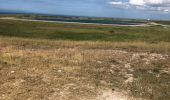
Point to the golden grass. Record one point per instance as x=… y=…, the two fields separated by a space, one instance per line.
x=161 y=47
x=46 y=69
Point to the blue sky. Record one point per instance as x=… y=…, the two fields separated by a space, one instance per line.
x=148 y=9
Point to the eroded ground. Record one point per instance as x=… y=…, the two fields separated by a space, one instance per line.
x=74 y=73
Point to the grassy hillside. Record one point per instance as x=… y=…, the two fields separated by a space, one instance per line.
x=48 y=61
x=61 y=31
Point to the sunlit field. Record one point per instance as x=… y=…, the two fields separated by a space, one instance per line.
x=69 y=61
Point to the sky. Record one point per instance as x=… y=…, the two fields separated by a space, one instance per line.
x=144 y=9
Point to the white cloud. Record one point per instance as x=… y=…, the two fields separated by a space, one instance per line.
x=116 y=3
x=149 y=5
x=120 y=4
x=137 y=2
x=149 y=2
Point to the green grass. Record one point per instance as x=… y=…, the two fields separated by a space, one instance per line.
x=163 y=22
x=61 y=31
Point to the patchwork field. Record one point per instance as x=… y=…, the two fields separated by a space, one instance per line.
x=60 y=61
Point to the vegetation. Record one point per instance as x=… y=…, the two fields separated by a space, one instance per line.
x=62 y=31
x=42 y=60
x=163 y=22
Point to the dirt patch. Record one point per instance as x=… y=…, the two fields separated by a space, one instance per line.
x=112 y=95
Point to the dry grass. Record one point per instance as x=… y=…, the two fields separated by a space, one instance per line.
x=160 y=47
x=67 y=70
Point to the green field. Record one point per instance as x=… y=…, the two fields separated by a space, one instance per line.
x=61 y=31
x=69 y=61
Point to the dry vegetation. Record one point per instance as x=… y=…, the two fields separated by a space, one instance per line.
x=68 y=70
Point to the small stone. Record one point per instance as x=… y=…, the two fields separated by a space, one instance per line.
x=99 y=62
x=12 y=72
x=59 y=71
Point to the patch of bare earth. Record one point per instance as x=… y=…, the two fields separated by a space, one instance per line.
x=75 y=73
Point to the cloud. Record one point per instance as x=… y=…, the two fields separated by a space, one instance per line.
x=120 y=4
x=137 y=2
x=149 y=5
